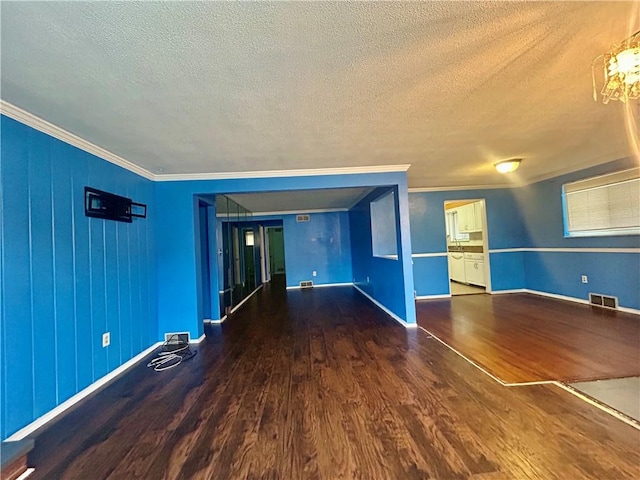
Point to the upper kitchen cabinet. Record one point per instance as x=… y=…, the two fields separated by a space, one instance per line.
x=470 y=217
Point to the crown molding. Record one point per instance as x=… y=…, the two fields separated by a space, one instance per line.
x=577 y=168
x=303 y=172
x=49 y=128
x=462 y=187
x=43 y=126
x=530 y=181
x=277 y=213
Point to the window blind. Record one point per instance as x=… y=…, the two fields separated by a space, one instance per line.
x=605 y=205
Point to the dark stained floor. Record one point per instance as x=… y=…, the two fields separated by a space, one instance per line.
x=527 y=338
x=321 y=384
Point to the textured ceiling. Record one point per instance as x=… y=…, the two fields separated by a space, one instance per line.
x=300 y=201
x=450 y=87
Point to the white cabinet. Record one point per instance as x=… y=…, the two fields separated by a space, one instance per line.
x=470 y=217
x=474 y=269
x=456 y=267
x=466 y=218
x=479 y=214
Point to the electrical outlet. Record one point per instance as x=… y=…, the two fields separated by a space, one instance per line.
x=106 y=339
x=315 y=274
x=367 y=279
x=585 y=279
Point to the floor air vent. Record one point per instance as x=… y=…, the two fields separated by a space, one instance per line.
x=306 y=284
x=605 y=301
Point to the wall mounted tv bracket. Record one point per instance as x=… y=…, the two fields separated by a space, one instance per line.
x=110 y=206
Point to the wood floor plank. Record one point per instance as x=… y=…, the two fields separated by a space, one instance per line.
x=528 y=338
x=320 y=384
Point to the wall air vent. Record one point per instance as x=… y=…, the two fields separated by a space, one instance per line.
x=306 y=284
x=605 y=301
x=302 y=218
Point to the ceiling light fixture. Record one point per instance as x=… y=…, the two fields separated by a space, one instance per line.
x=507 y=166
x=621 y=66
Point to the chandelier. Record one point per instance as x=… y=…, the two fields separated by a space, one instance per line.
x=621 y=68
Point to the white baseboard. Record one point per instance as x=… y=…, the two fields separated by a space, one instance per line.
x=26 y=473
x=221 y=320
x=98 y=384
x=386 y=310
x=245 y=299
x=433 y=297
x=216 y=322
x=202 y=337
x=514 y=290
x=633 y=311
x=566 y=298
x=558 y=297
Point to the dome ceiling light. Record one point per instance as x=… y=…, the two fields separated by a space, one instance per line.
x=508 y=166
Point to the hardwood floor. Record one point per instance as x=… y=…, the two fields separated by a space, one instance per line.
x=320 y=384
x=527 y=338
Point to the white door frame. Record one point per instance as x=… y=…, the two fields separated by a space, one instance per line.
x=485 y=239
x=266 y=264
x=264 y=274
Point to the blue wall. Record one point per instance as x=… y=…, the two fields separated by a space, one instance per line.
x=428 y=236
x=322 y=244
x=66 y=278
x=178 y=283
x=383 y=279
x=557 y=271
x=529 y=219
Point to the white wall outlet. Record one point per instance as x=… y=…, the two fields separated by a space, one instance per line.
x=585 y=279
x=315 y=274
x=106 y=339
x=367 y=279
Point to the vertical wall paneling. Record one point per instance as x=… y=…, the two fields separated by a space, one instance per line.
x=66 y=278
x=42 y=279
x=64 y=291
x=17 y=351
x=81 y=274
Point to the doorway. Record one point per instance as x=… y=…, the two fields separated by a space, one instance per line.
x=249 y=260
x=467 y=246
x=275 y=251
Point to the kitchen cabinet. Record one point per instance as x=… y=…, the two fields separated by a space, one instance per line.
x=470 y=217
x=474 y=269
x=456 y=267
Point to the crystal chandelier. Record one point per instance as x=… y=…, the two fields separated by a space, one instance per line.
x=621 y=68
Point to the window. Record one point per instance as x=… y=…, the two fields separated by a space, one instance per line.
x=384 y=239
x=453 y=228
x=248 y=238
x=605 y=205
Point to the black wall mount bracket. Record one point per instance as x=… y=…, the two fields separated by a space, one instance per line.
x=109 y=206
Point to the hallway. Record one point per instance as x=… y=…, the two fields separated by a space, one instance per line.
x=319 y=383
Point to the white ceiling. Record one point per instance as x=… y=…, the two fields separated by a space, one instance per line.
x=300 y=201
x=449 y=87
